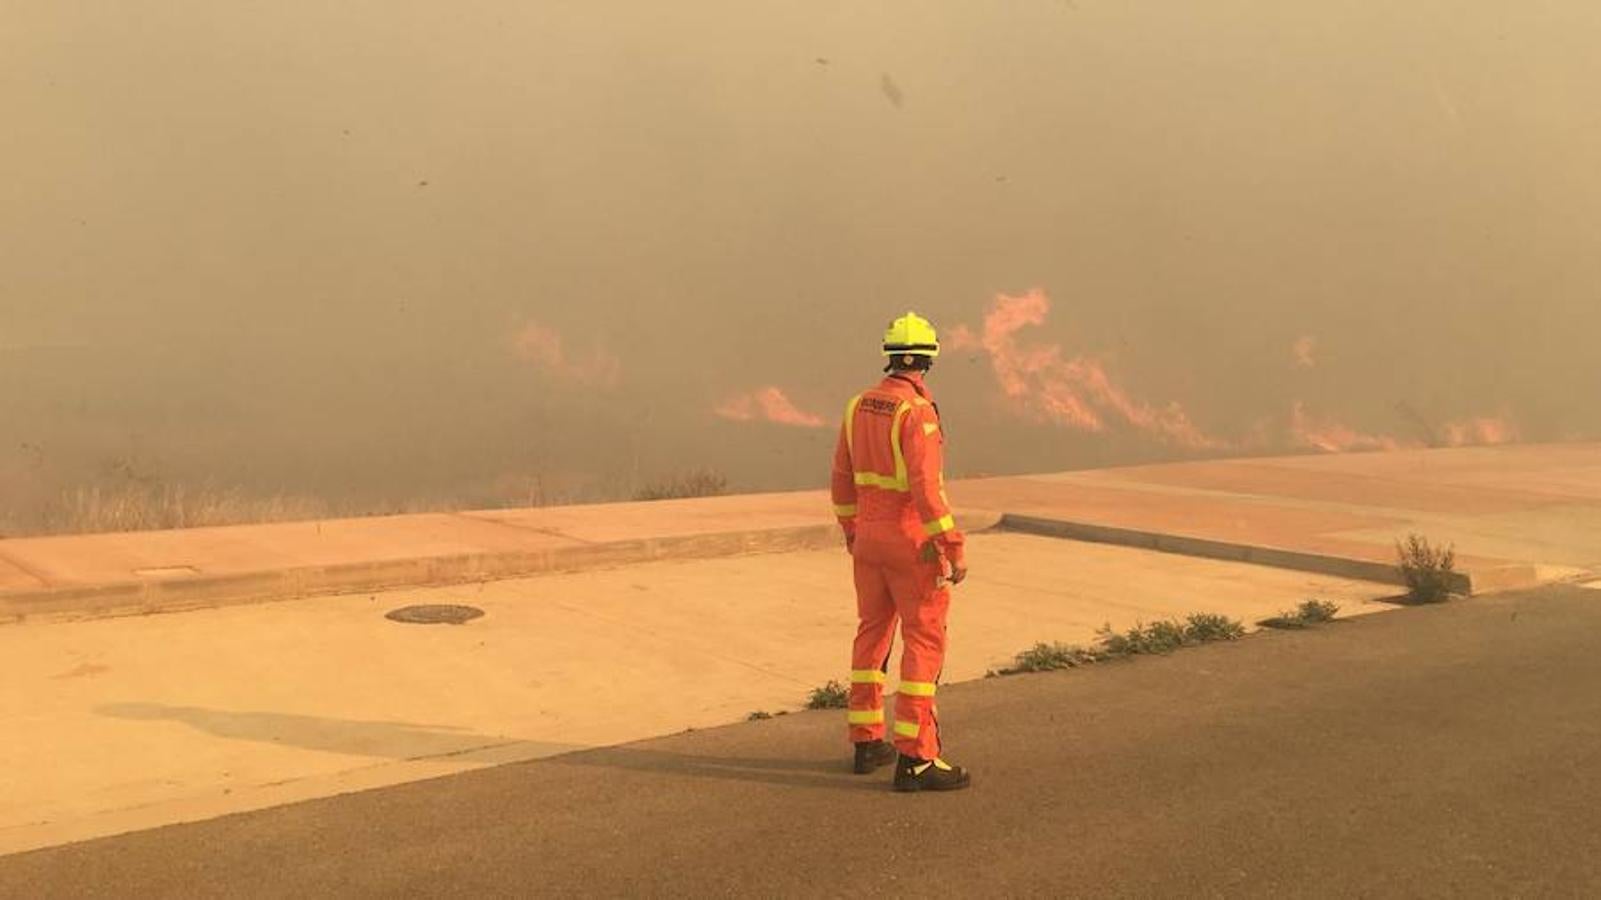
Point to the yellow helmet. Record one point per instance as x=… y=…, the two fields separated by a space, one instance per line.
x=911 y=335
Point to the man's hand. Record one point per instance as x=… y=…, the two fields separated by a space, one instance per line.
x=850 y=543
x=958 y=574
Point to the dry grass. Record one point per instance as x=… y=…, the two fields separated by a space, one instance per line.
x=697 y=483
x=93 y=509
x=127 y=494
x=145 y=506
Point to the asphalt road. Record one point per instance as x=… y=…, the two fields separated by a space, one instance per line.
x=1438 y=751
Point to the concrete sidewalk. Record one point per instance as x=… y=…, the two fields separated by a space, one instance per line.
x=192 y=568
x=1519 y=515
x=119 y=724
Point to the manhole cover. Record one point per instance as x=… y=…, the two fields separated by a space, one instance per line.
x=434 y=614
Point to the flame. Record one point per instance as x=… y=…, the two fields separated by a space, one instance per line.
x=1331 y=436
x=1481 y=430
x=961 y=339
x=768 y=404
x=543 y=347
x=1075 y=392
x=1304 y=349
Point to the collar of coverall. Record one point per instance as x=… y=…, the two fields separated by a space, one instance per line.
x=915 y=379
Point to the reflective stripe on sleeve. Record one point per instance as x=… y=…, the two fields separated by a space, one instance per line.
x=845 y=511
x=901 y=481
x=939 y=526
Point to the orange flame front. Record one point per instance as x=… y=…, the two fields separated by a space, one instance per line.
x=1305 y=351
x=1333 y=437
x=1481 y=430
x=768 y=404
x=1074 y=392
x=543 y=347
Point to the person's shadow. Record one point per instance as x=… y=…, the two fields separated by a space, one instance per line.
x=832 y=774
x=407 y=741
x=355 y=737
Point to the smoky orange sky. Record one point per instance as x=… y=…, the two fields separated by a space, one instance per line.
x=390 y=250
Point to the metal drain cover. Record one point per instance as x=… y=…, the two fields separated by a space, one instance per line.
x=434 y=614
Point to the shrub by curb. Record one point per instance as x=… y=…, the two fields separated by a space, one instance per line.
x=832 y=695
x=1426 y=569
x=1310 y=612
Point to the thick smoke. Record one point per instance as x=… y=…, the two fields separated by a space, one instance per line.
x=328 y=258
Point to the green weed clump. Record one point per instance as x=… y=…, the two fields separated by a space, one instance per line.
x=1310 y=612
x=1167 y=635
x=832 y=695
x=1426 y=569
x=1043 y=657
x=1162 y=636
x=1203 y=628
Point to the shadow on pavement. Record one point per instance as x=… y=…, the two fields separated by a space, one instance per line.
x=390 y=740
x=833 y=774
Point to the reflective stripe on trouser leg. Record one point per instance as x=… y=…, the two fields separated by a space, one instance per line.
x=865 y=716
x=875 y=633
x=922 y=605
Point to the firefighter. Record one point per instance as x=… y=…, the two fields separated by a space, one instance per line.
x=888 y=490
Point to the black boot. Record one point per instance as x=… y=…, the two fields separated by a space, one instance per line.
x=872 y=754
x=913 y=774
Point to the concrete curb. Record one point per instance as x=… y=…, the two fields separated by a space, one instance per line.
x=140 y=596
x=1338 y=566
x=181 y=593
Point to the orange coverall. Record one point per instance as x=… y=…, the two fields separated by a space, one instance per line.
x=888 y=489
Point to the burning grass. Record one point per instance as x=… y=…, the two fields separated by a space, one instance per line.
x=769 y=404
x=1044 y=381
